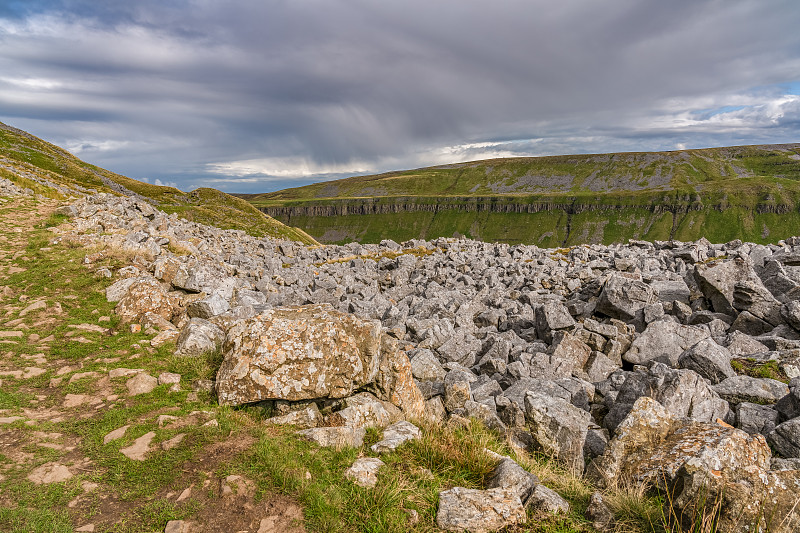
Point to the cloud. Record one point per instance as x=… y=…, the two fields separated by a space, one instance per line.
x=251 y=92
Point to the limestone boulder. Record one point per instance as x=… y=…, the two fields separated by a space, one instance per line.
x=199 y=337
x=701 y=463
x=146 y=295
x=623 y=297
x=394 y=381
x=298 y=353
x=208 y=307
x=558 y=428
x=718 y=279
x=664 y=341
x=362 y=410
x=738 y=389
x=683 y=393
x=708 y=359
x=478 y=511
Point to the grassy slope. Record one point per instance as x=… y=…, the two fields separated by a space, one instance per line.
x=27 y=155
x=720 y=193
x=690 y=171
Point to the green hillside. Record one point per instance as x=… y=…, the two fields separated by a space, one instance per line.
x=746 y=192
x=51 y=171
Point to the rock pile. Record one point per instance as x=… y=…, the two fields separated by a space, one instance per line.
x=667 y=362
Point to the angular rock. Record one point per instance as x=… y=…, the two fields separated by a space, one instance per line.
x=785 y=438
x=478 y=511
x=748 y=389
x=362 y=410
x=298 y=354
x=306 y=418
x=699 y=462
x=682 y=392
x=708 y=359
x=664 y=341
x=623 y=297
x=207 y=307
x=509 y=474
x=457 y=389
x=753 y=418
x=394 y=381
x=598 y=513
x=138 y=450
x=364 y=472
x=550 y=317
x=199 y=337
x=335 y=437
x=752 y=296
x=396 y=435
x=671 y=290
x=558 y=428
x=547 y=500
x=146 y=295
x=741 y=345
x=425 y=366
x=718 y=279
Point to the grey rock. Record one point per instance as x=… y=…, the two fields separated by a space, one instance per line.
x=708 y=359
x=425 y=366
x=208 y=307
x=509 y=474
x=664 y=341
x=306 y=418
x=364 y=471
x=478 y=511
x=717 y=281
x=396 y=435
x=199 y=337
x=682 y=393
x=547 y=500
x=558 y=427
x=335 y=437
x=791 y=313
x=550 y=317
x=623 y=297
x=754 y=418
x=748 y=389
x=741 y=345
x=598 y=513
x=752 y=296
x=750 y=324
x=599 y=367
x=596 y=442
x=457 y=389
x=671 y=290
x=778 y=464
x=785 y=438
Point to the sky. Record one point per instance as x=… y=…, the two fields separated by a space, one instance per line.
x=260 y=95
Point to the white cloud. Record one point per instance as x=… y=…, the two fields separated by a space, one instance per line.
x=285 y=167
x=166 y=183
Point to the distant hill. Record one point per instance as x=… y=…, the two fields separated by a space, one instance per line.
x=50 y=170
x=747 y=192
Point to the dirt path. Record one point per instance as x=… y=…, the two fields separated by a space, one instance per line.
x=95 y=435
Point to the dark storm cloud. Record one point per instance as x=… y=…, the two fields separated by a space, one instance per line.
x=250 y=95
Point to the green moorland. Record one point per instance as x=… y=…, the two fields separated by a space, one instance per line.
x=746 y=192
x=24 y=156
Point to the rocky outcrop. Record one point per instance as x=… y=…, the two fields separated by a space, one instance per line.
x=298 y=354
